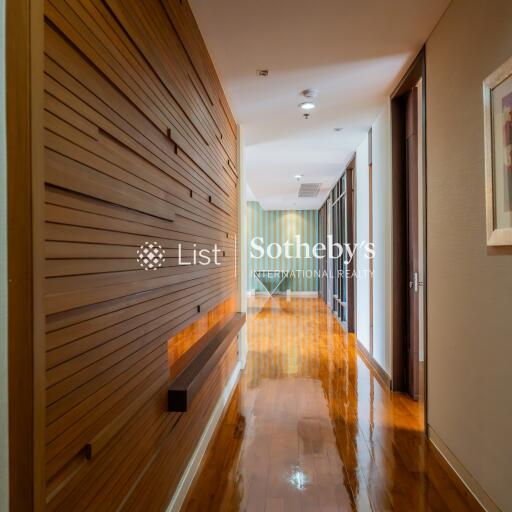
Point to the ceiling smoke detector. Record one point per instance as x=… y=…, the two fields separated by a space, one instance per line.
x=309 y=93
x=262 y=72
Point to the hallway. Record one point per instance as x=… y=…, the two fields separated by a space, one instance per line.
x=240 y=244
x=310 y=427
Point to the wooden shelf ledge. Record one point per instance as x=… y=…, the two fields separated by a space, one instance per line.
x=185 y=386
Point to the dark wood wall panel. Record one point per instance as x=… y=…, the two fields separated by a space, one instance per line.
x=139 y=145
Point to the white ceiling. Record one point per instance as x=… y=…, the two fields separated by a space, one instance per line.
x=352 y=51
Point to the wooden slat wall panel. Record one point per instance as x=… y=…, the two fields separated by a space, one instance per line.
x=140 y=145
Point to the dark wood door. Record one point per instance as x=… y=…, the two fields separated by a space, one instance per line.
x=411 y=144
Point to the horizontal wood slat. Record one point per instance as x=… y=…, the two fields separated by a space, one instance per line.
x=139 y=145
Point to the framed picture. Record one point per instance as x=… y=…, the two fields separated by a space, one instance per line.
x=498 y=154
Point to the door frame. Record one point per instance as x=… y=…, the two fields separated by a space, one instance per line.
x=351 y=238
x=24 y=29
x=370 y=236
x=329 y=265
x=416 y=71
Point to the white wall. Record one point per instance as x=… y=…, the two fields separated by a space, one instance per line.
x=362 y=236
x=4 y=425
x=469 y=292
x=382 y=236
x=242 y=247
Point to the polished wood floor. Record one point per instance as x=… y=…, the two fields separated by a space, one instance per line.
x=311 y=428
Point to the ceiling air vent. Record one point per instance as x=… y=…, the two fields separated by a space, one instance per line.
x=309 y=189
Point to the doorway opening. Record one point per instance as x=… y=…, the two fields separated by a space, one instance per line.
x=409 y=243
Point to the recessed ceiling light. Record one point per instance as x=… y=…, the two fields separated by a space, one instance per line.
x=298 y=176
x=307 y=105
x=262 y=72
x=338 y=129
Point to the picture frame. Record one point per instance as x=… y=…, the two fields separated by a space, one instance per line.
x=497 y=96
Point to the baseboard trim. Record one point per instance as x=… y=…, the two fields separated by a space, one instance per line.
x=195 y=461
x=374 y=365
x=459 y=475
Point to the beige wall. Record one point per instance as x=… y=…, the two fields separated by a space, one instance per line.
x=469 y=288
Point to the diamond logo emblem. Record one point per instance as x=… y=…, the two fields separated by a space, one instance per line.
x=150 y=255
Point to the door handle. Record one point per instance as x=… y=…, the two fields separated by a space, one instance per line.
x=415 y=283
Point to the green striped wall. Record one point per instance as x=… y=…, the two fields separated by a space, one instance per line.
x=278 y=226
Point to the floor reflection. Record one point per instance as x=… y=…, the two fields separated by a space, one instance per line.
x=310 y=427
